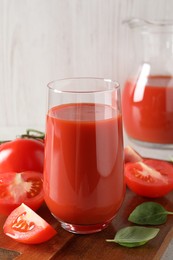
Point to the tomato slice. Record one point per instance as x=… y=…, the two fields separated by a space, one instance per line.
x=17 y=188
x=130 y=155
x=26 y=226
x=150 y=178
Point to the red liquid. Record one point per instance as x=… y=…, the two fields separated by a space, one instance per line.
x=83 y=177
x=148 y=110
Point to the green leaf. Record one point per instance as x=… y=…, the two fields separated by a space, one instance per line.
x=149 y=213
x=133 y=244
x=134 y=236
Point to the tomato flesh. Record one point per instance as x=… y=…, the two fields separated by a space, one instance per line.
x=26 y=226
x=130 y=155
x=150 y=178
x=21 y=155
x=17 y=188
x=22 y=225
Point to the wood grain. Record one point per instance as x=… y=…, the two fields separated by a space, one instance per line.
x=73 y=247
x=43 y=40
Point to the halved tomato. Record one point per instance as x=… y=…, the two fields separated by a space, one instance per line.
x=150 y=178
x=17 y=188
x=130 y=155
x=26 y=226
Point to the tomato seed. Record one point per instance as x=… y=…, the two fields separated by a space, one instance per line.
x=36 y=186
x=21 y=224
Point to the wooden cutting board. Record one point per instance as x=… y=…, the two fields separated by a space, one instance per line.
x=69 y=246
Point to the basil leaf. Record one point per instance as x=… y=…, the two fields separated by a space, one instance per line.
x=133 y=244
x=134 y=236
x=149 y=213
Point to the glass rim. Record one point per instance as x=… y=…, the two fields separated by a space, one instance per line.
x=53 y=87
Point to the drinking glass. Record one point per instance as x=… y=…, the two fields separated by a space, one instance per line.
x=83 y=171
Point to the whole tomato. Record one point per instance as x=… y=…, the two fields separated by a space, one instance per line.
x=21 y=155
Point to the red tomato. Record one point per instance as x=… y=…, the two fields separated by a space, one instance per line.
x=130 y=155
x=22 y=155
x=25 y=226
x=17 y=188
x=151 y=178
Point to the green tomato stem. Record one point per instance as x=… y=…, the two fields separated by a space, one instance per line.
x=30 y=133
x=39 y=134
x=34 y=134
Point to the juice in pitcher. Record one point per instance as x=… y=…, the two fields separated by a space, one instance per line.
x=148 y=110
x=147 y=97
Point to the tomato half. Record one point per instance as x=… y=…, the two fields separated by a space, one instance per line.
x=150 y=178
x=21 y=155
x=26 y=226
x=17 y=188
x=130 y=155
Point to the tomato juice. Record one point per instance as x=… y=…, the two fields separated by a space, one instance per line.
x=148 y=109
x=83 y=173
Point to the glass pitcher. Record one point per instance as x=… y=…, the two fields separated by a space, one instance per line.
x=147 y=96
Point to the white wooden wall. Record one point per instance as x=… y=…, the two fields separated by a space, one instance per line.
x=43 y=40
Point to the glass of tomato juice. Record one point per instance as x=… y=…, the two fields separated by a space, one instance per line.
x=83 y=167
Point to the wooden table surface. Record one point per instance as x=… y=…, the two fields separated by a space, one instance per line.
x=69 y=246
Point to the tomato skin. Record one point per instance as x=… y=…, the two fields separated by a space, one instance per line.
x=35 y=229
x=21 y=155
x=13 y=193
x=155 y=183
